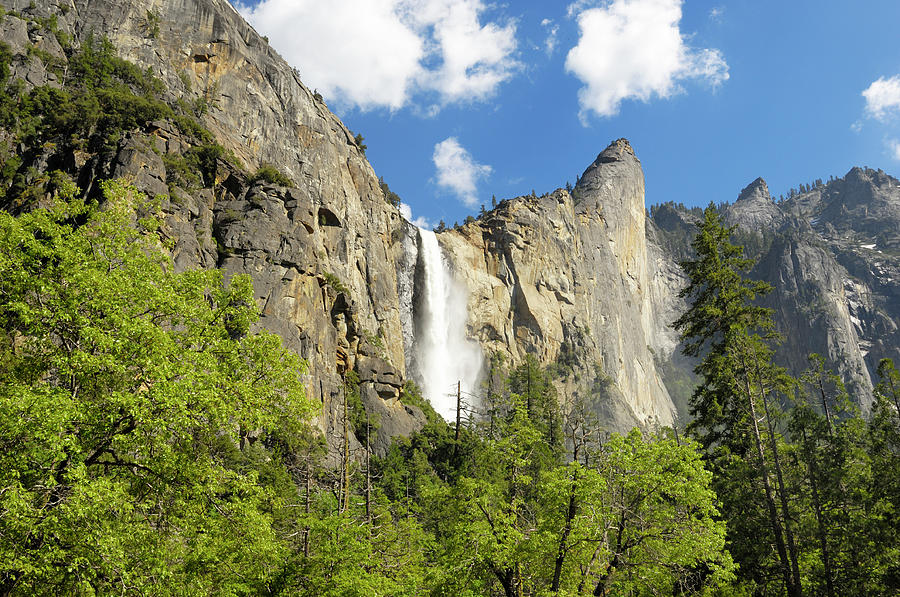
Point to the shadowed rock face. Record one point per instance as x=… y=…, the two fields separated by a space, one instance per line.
x=321 y=254
x=832 y=255
x=754 y=209
x=812 y=308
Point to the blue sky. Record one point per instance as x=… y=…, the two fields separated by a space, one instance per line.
x=462 y=100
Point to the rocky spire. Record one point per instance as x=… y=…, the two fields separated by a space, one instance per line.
x=757 y=190
x=754 y=209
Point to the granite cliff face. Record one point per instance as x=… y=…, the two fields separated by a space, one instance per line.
x=582 y=281
x=831 y=254
x=329 y=255
x=754 y=209
x=321 y=252
x=568 y=279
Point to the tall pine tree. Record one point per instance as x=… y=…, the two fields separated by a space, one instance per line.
x=731 y=336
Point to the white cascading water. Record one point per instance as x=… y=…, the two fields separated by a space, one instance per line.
x=443 y=353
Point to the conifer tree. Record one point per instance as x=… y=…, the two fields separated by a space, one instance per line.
x=730 y=334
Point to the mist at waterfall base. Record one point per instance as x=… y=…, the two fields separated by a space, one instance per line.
x=442 y=354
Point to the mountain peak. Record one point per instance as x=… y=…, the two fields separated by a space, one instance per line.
x=755 y=191
x=754 y=209
x=617 y=151
x=615 y=164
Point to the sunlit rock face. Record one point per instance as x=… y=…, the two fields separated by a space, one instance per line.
x=334 y=264
x=567 y=278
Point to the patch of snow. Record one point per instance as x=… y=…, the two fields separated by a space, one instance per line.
x=872 y=246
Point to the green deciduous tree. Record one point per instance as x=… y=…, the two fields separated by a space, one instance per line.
x=641 y=520
x=125 y=391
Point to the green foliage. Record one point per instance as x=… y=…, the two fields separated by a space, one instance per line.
x=96 y=66
x=349 y=557
x=722 y=325
x=271 y=174
x=152 y=24
x=389 y=195
x=197 y=167
x=50 y=62
x=674 y=228
x=51 y=24
x=846 y=492
x=734 y=416
x=641 y=519
x=335 y=283
x=363 y=425
x=149 y=442
x=180 y=172
x=125 y=391
x=823 y=498
x=185 y=79
x=5 y=61
x=412 y=395
x=535 y=388
x=205 y=159
x=755 y=243
x=200 y=105
x=358 y=141
x=510 y=515
x=649 y=504
x=106 y=96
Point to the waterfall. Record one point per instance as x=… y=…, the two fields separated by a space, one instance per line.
x=443 y=355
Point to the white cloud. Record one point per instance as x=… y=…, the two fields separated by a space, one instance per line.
x=883 y=97
x=457 y=171
x=575 y=8
x=634 y=49
x=716 y=13
x=552 y=39
x=475 y=58
x=383 y=53
x=895 y=149
x=420 y=222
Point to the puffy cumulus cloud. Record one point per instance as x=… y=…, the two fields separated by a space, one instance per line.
x=473 y=59
x=634 y=49
x=420 y=222
x=457 y=171
x=354 y=51
x=883 y=97
x=382 y=53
